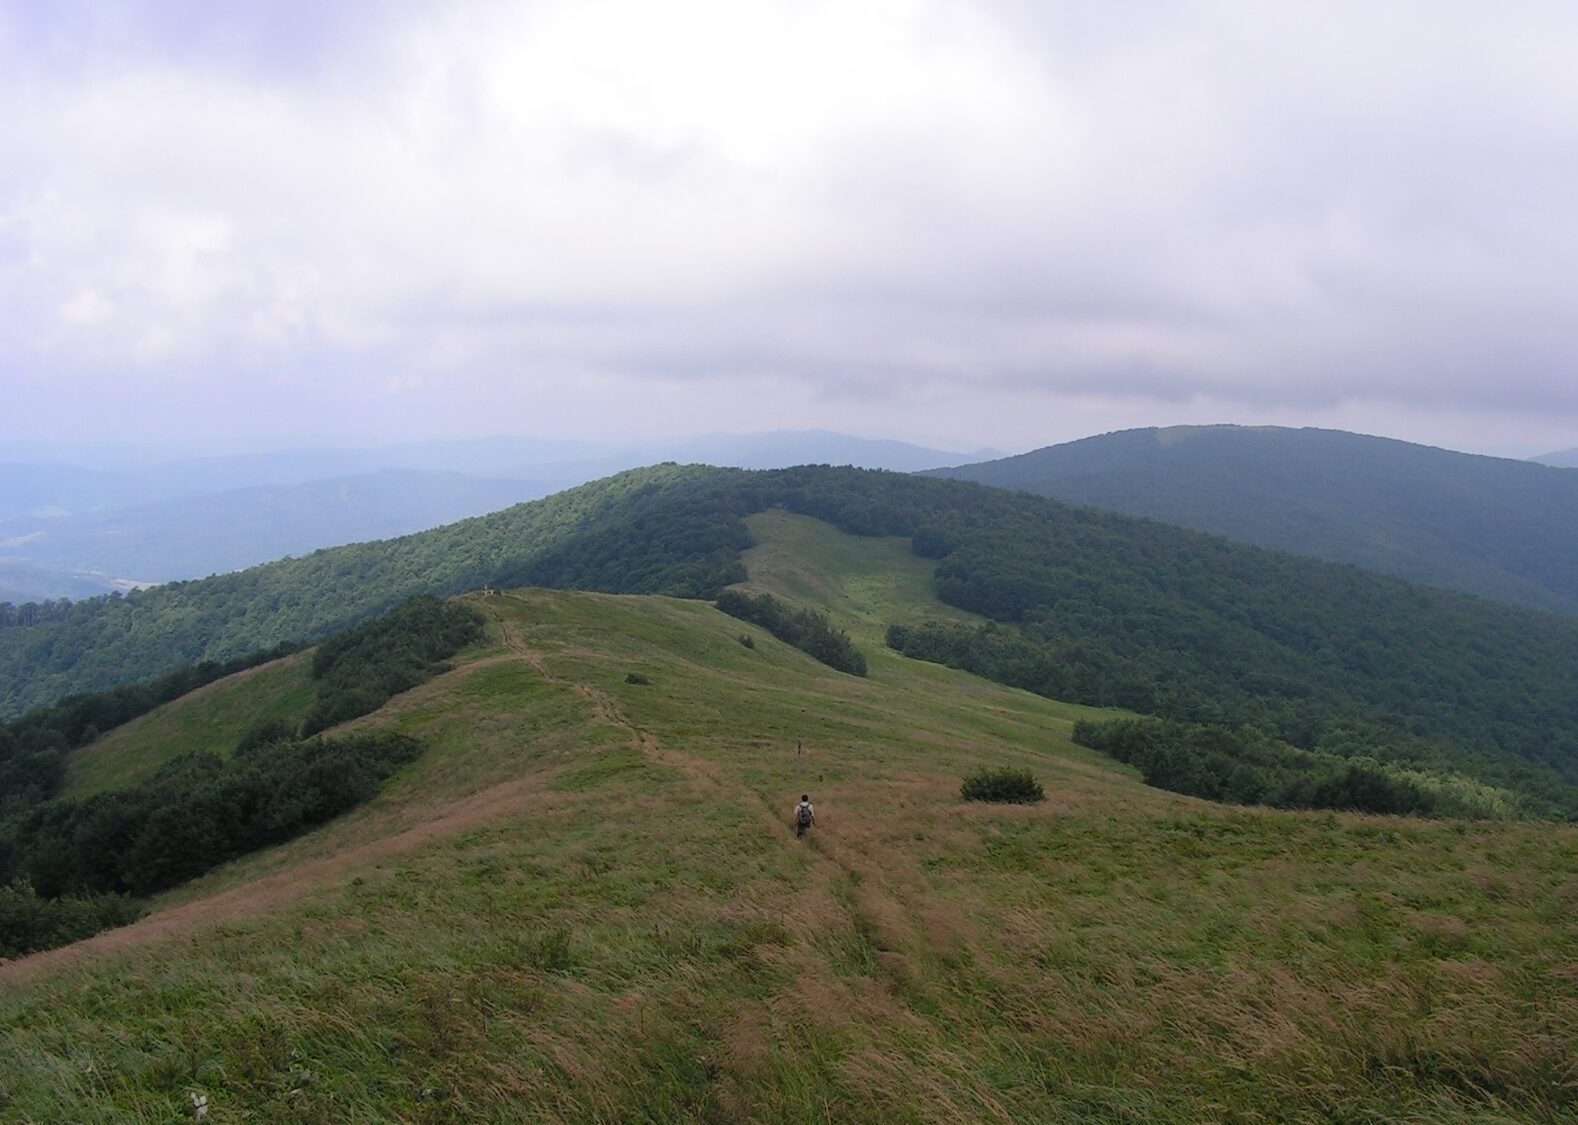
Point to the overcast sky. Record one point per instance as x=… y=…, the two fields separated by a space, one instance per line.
x=964 y=224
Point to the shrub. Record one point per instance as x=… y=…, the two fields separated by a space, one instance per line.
x=636 y=678
x=807 y=630
x=747 y=640
x=1005 y=786
x=265 y=733
x=29 y=922
x=360 y=669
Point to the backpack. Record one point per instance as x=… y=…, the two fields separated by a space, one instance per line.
x=802 y=815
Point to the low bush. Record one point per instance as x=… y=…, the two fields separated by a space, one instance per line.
x=30 y=923
x=197 y=812
x=807 y=630
x=1004 y=786
x=636 y=678
x=360 y=669
x=1242 y=765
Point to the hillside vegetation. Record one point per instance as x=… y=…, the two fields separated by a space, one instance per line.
x=584 y=903
x=1114 y=612
x=173 y=796
x=1486 y=525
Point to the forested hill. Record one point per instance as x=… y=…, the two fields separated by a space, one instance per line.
x=1498 y=528
x=1130 y=613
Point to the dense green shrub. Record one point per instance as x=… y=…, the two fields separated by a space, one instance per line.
x=29 y=922
x=197 y=812
x=1003 y=785
x=33 y=747
x=360 y=669
x=807 y=630
x=1116 y=612
x=265 y=733
x=1245 y=766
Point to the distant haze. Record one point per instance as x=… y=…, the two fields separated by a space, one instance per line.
x=73 y=531
x=1007 y=224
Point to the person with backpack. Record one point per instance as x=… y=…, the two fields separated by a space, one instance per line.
x=804 y=815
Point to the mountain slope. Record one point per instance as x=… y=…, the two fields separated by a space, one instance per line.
x=1497 y=528
x=1153 y=618
x=585 y=903
x=72 y=532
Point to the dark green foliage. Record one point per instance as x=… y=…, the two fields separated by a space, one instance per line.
x=360 y=669
x=664 y=530
x=688 y=552
x=1246 y=767
x=1486 y=525
x=807 y=630
x=30 y=922
x=747 y=640
x=33 y=747
x=34 y=613
x=1004 y=786
x=636 y=678
x=930 y=543
x=198 y=812
x=1116 y=611
x=265 y=733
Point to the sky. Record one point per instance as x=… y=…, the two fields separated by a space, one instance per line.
x=1004 y=224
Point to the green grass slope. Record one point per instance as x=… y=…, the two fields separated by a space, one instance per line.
x=213 y=718
x=104 y=642
x=584 y=903
x=1157 y=619
x=1486 y=525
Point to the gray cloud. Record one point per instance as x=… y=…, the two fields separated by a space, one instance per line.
x=971 y=219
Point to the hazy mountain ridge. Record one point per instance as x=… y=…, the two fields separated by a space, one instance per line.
x=1130 y=613
x=225 y=531
x=1563 y=459
x=69 y=531
x=1495 y=527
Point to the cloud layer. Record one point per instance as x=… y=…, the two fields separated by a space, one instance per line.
x=1010 y=223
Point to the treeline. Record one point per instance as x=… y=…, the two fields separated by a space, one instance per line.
x=360 y=669
x=805 y=629
x=664 y=530
x=1334 y=728
x=1161 y=620
x=33 y=748
x=34 y=613
x=30 y=923
x=1246 y=767
x=67 y=866
x=196 y=813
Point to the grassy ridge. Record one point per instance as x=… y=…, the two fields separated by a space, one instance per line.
x=102 y=642
x=1119 y=612
x=585 y=904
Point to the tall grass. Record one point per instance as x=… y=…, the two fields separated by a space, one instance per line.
x=585 y=903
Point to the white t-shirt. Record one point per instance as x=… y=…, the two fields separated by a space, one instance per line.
x=808 y=806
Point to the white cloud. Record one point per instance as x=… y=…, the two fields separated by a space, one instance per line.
x=1297 y=206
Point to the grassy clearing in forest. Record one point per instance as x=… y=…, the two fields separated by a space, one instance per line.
x=585 y=903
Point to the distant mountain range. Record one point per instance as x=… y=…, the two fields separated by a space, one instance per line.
x=1499 y=528
x=1566 y=459
x=74 y=531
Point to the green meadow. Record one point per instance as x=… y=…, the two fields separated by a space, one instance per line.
x=586 y=903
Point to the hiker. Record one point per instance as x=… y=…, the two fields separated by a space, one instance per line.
x=804 y=815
